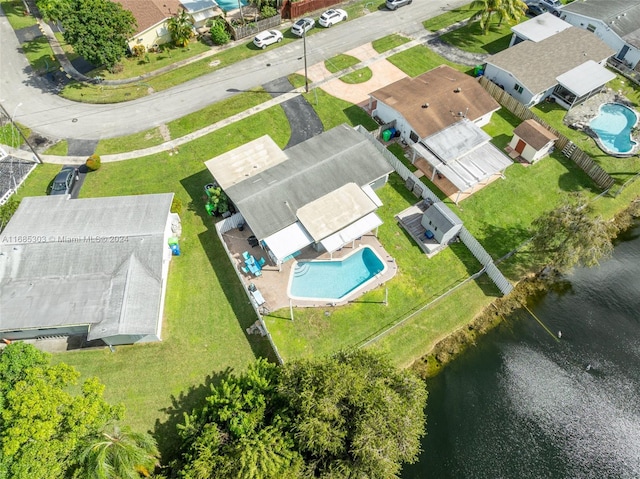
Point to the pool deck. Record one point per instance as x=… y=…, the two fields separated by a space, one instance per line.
x=273 y=283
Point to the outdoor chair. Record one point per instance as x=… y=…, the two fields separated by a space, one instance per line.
x=262 y=261
x=258 y=273
x=245 y=270
x=246 y=255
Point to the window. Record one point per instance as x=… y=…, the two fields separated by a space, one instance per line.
x=591 y=28
x=413 y=137
x=517 y=88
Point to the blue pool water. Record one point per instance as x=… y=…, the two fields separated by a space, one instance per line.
x=334 y=279
x=613 y=126
x=228 y=5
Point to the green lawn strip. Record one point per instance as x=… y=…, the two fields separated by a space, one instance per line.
x=320 y=331
x=359 y=76
x=10 y=134
x=60 y=148
x=135 y=141
x=449 y=18
x=206 y=309
x=420 y=59
x=40 y=55
x=218 y=111
x=471 y=38
x=416 y=337
x=340 y=62
x=106 y=94
x=389 y=42
x=15 y=13
x=362 y=8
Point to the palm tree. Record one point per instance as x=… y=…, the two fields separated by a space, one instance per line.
x=120 y=454
x=510 y=10
x=180 y=27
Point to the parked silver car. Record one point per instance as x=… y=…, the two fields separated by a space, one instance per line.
x=393 y=4
x=303 y=25
x=332 y=16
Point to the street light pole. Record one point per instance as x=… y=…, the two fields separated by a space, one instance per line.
x=304 y=47
x=35 y=153
x=13 y=125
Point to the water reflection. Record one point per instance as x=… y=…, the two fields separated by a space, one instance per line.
x=523 y=404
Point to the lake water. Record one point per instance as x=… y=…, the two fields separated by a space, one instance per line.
x=522 y=404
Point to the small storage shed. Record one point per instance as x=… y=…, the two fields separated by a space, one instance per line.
x=531 y=141
x=441 y=222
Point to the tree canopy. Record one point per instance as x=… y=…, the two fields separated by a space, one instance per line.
x=570 y=235
x=510 y=10
x=98 y=30
x=351 y=415
x=180 y=28
x=44 y=425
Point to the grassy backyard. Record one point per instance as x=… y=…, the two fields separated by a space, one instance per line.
x=15 y=13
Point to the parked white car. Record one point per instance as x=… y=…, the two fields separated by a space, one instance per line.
x=332 y=16
x=266 y=38
x=303 y=25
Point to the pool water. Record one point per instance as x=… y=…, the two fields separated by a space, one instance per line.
x=228 y=5
x=336 y=278
x=613 y=126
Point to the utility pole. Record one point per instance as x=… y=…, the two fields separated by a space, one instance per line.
x=304 y=47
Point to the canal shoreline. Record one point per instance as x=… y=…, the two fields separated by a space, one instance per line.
x=458 y=341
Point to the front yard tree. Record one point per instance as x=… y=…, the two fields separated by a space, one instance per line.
x=570 y=235
x=98 y=30
x=354 y=414
x=119 y=453
x=180 y=27
x=510 y=10
x=54 y=10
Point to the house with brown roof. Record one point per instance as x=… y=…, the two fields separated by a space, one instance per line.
x=531 y=141
x=431 y=102
x=567 y=67
x=151 y=17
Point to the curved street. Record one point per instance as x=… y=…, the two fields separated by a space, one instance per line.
x=38 y=107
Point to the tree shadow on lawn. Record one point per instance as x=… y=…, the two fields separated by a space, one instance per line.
x=221 y=266
x=166 y=432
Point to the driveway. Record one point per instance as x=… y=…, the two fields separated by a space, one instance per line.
x=35 y=104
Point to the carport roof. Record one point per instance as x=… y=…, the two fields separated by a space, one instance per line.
x=540 y=27
x=474 y=160
x=585 y=78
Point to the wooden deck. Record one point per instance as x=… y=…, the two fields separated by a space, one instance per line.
x=410 y=219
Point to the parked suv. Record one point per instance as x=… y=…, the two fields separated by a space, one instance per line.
x=267 y=37
x=303 y=25
x=332 y=16
x=393 y=4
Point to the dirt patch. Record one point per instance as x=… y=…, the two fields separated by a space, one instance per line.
x=164 y=132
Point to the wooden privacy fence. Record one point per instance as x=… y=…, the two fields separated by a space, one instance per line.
x=298 y=9
x=253 y=28
x=599 y=176
x=423 y=191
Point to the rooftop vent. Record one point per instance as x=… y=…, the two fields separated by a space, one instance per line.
x=457 y=90
x=425 y=105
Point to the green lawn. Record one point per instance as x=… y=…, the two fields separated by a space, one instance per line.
x=419 y=59
x=389 y=42
x=340 y=62
x=361 y=75
x=40 y=55
x=471 y=38
x=15 y=13
x=60 y=148
x=449 y=18
x=135 y=141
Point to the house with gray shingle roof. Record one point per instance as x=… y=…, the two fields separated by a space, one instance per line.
x=94 y=268
x=616 y=22
x=567 y=66
x=319 y=192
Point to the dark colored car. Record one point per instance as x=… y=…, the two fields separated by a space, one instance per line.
x=393 y=4
x=63 y=182
x=535 y=10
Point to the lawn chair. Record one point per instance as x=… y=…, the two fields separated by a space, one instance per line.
x=262 y=261
x=258 y=273
x=246 y=255
x=245 y=270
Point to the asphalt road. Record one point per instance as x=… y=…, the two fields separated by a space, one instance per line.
x=32 y=102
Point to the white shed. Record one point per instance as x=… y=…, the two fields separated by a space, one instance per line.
x=531 y=141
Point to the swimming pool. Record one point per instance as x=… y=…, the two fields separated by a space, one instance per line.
x=228 y=5
x=334 y=279
x=613 y=126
